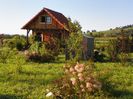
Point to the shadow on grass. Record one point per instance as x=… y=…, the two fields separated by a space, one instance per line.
x=10 y=97
x=111 y=90
x=119 y=94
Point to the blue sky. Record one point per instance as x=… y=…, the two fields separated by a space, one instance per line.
x=92 y=14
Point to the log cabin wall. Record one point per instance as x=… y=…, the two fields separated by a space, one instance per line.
x=47 y=34
x=37 y=24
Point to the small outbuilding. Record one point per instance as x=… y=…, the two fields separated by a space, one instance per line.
x=88 y=47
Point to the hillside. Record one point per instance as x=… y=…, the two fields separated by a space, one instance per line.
x=128 y=30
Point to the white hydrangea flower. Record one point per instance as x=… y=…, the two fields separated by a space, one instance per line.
x=49 y=94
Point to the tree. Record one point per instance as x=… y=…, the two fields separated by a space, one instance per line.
x=94 y=31
x=74 y=27
x=74 y=47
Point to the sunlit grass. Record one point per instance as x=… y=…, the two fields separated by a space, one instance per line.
x=35 y=78
x=31 y=82
x=117 y=79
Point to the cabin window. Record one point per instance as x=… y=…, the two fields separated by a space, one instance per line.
x=46 y=19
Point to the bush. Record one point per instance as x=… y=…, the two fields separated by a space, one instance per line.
x=40 y=58
x=98 y=56
x=17 y=42
x=124 y=57
x=19 y=46
x=10 y=56
x=39 y=53
x=112 y=50
x=5 y=54
x=53 y=45
x=77 y=83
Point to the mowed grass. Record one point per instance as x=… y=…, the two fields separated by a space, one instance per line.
x=35 y=78
x=117 y=80
x=103 y=41
x=31 y=82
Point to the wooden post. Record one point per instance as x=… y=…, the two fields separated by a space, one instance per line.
x=27 y=37
x=42 y=38
x=132 y=38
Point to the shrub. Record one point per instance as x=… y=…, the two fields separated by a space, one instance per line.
x=39 y=53
x=117 y=52
x=98 y=56
x=112 y=50
x=124 y=57
x=35 y=47
x=19 y=63
x=17 y=42
x=19 y=46
x=40 y=58
x=77 y=83
x=5 y=54
x=53 y=45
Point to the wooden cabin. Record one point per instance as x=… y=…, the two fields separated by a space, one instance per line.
x=46 y=24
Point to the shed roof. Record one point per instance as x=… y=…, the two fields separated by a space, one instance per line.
x=58 y=17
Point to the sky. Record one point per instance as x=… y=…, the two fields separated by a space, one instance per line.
x=91 y=14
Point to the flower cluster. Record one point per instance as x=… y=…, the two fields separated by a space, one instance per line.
x=81 y=79
x=77 y=82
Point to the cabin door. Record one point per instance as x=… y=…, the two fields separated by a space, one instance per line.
x=39 y=37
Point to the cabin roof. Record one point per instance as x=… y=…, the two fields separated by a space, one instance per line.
x=58 y=17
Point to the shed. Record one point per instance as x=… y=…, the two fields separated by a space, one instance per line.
x=88 y=47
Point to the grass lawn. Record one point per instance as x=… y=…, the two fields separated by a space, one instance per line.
x=117 y=80
x=35 y=78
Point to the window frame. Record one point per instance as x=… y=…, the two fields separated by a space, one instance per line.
x=46 y=19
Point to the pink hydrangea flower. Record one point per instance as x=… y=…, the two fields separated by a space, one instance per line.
x=81 y=78
x=97 y=85
x=73 y=80
x=71 y=69
x=81 y=86
x=66 y=71
x=90 y=89
x=88 y=85
x=73 y=72
x=83 y=90
x=80 y=75
x=79 y=68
